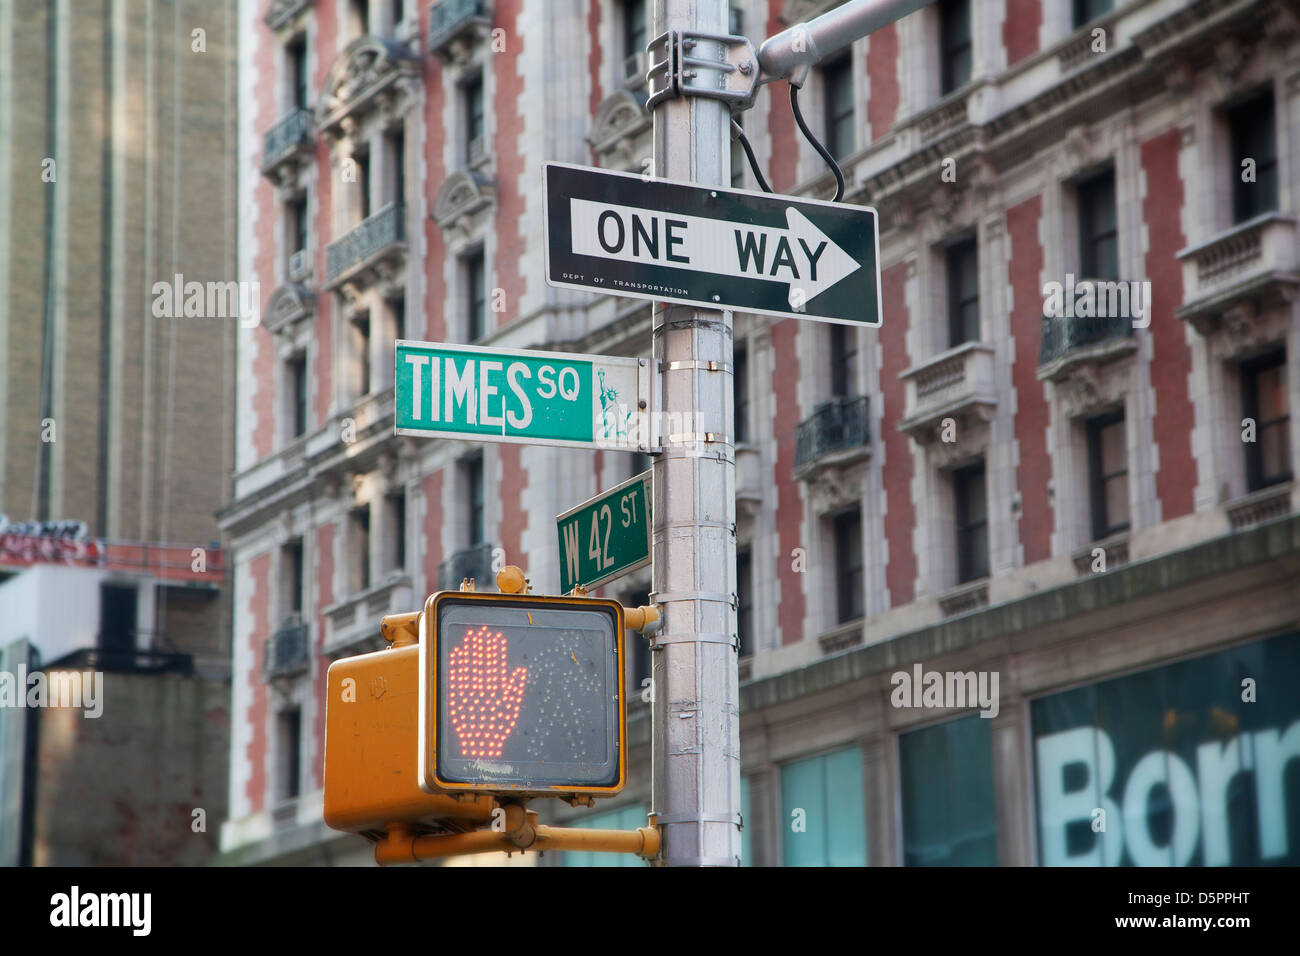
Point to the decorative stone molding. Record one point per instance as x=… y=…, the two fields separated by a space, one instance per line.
x=620 y=131
x=841 y=637
x=462 y=195
x=958 y=384
x=371 y=73
x=289 y=304
x=284 y=13
x=1089 y=390
x=1115 y=549
x=833 y=490
x=457 y=27
x=1259 y=506
x=965 y=598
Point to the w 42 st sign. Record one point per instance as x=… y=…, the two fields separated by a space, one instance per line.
x=713 y=247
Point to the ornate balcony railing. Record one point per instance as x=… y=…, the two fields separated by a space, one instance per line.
x=475 y=562
x=449 y=19
x=837 y=425
x=289 y=133
x=959 y=382
x=286 y=651
x=382 y=231
x=1062 y=334
x=1253 y=260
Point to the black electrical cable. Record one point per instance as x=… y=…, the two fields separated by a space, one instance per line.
x=830 y=160
x=749 y=152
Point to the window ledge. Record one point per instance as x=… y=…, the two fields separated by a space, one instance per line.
x=842 y=636
x=965 y=598
x=1260 y=506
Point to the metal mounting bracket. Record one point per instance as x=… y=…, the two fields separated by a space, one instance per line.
x=690 y=63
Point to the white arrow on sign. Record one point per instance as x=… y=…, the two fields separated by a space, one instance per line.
x=800 y=254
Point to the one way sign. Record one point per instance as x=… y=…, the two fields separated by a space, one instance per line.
x=719 y=248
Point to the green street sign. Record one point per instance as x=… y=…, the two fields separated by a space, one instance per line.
x=520 y=396
x=606 y=536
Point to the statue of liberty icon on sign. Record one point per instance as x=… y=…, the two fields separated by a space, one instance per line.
x=611 y=427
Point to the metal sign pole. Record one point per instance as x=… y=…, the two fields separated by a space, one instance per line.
x=696 y=689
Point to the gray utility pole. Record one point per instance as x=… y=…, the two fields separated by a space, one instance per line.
x=696 y=688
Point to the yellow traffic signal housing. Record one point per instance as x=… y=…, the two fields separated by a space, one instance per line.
x=371 y=717
x=521 y=695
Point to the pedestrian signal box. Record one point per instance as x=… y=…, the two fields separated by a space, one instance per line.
x=521 y=694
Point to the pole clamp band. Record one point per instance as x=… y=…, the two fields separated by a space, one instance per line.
x=701 y=637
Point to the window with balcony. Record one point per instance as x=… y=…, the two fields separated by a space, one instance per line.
x=398 y=10
x=954 y=45
x=472 y=482
x=843 y=341
x=1108 y=474
x=289 y=730
x=395 y=519
x=837 y=91
x=745 y=601
x=1264 y=399
x=291 y=578
x=740 y=362
x=296 y=378
x=848 y=566
x=474 y=276
x=360 y=332
x=1098 y=230
x=1085 y=11
x=971 y=508
x=296 y=54
x=963 y=293
x=117 y=619
x=471 y=94
x=359 y=548
x=1252 y=132
x=634 y=40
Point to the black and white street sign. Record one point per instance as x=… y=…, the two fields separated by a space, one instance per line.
x=718 y=248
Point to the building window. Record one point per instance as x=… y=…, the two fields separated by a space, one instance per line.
x=954 y=45
x=474 y=275
x=395 y=506
x=472 y=473
x=949 y=817
x=963 y=293
x=1108 y=475
x=1098 y=234
x=292 y=576
x=1264 y=399
x=828 y=790
x=297 y=373
x=359 y=547
x=398 y=309
x=360 y=326
x=290 y=731
x=472 y=96
x=848 y=565
x=634 y=40
x=1085 y=11
x=740 y=361
x=837 y=87
x=745 y=601
x=297 y=54
x=844 y=360
x=362 y=159
x=972 y=523
x=359 y=14
x=1253 y=133
x=299 y=237
x=396 y=149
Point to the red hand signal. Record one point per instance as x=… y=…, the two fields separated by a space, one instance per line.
x=482 y=702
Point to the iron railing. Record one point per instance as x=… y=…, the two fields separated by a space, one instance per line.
x=837 y=425
x=286 y=651
x=385 y=228
x=474 y=562
x=449 y=17
x=1061 y=334
x=293 y=130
